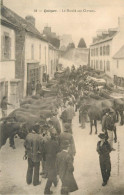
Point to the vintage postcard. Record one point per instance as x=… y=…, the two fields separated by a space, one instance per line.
x=62 y=97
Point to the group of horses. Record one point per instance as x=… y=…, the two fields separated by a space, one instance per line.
x=97 y=108
x=33 y=110
x=36 y=109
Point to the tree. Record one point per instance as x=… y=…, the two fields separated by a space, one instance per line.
x=82 y=43
x=70 y=46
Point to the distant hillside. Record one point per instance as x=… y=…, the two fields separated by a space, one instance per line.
x=76 y=56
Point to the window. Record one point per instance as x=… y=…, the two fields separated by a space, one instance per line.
x=94 y=64
x=39 y=51
x=6 y=46
x=100 y=64
x=51 y=66
x=108 y=66
x=92 y=52
x=97 y=64
x=96 y=51
x=101 y=51
x=32 y=51
x=107 y=50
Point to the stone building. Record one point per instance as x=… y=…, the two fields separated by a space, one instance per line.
x=9 y=86
x=31 y=50
x=118 y=68
x=104 y=47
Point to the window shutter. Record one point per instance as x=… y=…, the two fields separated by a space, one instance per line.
x=2 y=46
x=10 y=49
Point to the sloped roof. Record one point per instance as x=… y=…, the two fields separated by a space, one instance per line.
x=7 y=22
x=120 y=53
x=20 y=22
x=104 y=39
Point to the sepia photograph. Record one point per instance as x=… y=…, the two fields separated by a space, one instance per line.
x=61 y=97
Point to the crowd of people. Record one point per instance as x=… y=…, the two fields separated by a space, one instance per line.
x=51 y=145
x=54 y=147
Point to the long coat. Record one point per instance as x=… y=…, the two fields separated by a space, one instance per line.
x=33 y=146
x=65 y=168
x=51 y=147
x=67 y=136
x=104 y=159
x=56 y=124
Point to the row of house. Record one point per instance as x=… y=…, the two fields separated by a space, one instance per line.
x=107 y=53
x=25 y=55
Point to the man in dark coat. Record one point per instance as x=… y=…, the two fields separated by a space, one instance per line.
x=108 y=126
x=103 y=149
x=51 y=147
x=33 y=151
x=82 y=115
x=65 y=169
x=66 y=135
x=56 y=122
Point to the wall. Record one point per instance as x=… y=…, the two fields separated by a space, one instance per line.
x=118 y=67
x=53 y=61
x=7 y=70
x=7 y=67
x=75 y=56
x=104 y=58
x=42 y=58
x=36 y=42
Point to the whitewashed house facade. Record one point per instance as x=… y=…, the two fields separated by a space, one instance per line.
x=9 y=86
x=104 y=47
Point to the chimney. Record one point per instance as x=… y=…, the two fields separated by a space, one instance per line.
x=112 y=31
x=121 y=24
x=30 y=19
x=105 y=34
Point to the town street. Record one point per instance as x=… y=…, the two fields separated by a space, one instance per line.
x=87 y=171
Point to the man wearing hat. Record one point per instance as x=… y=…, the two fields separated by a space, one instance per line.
x=51 y=147
x=33 y=151
x=103 y=149
x=108 y=126
x=66 y=135
x=65 y=169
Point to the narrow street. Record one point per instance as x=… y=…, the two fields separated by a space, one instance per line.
x=87 y=172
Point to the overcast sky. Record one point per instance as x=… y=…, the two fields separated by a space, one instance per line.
x=84 y=24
